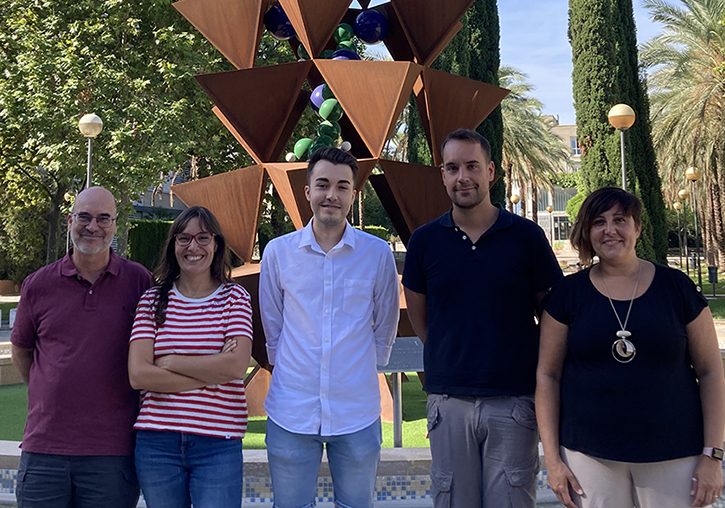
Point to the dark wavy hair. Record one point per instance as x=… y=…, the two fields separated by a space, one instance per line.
x=335 y=156
x=593 y=206
x=471 y=137
x=168 y=269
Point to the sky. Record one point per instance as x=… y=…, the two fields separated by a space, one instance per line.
x=534 y=40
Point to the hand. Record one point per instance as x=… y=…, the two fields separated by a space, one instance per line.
x=706 y=482
x=164 y=362
x=229 y=345
x=561 y=479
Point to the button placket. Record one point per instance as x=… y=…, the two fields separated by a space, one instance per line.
x=327 y=301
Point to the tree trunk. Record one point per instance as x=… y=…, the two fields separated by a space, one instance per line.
x=708 y=225
x=507 y=165
x=718 y=220
x=123 y=202
x=53 y=217
x=534 y=202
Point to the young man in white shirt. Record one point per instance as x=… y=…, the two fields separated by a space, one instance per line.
x=329 y=303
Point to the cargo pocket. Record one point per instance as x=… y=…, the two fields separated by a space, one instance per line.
x=524 y=412
x=20 y=487
x=522 y=485
x=441 y=482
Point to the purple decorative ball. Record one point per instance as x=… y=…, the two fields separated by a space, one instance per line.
x=371 y=26
x=278 y=24
x=316 y=99
x=345 y=54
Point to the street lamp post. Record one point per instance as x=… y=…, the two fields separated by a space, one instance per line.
x=693 y=174
x=683 y=194
x=515 y=198
x=622 y=117
x=678 y=206
x=550 y=209
x=90 y=126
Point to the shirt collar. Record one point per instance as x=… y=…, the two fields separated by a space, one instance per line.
x=68 y=269
x=505 y=219
x=307 y=237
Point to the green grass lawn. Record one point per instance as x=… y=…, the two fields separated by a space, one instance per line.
x=14 y=402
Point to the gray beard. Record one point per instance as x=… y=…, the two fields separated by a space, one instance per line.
x=87 y=249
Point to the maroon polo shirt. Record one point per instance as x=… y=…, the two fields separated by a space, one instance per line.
x=80 y=401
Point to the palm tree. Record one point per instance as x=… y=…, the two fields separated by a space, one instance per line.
x=532 y=154
x=688 y=105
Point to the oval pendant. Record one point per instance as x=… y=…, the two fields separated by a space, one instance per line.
x=624 y=334
x=623 y=350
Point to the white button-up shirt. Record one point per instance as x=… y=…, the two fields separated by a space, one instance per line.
x=329 y=318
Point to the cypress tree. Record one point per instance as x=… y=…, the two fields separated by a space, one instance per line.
x=606 y=72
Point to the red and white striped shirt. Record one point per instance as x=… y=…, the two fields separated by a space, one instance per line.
x=195 y=327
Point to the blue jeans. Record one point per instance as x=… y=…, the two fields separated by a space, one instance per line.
x=84 y=481
x=294 y=462
x=176 y=470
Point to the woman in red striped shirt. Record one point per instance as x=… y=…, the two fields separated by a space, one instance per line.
x=190 y=348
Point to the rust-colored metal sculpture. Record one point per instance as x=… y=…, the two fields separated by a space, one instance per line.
x=315 y=21
x=234 y=27
x=261 y=106
x=373 y=104
x=448 y=102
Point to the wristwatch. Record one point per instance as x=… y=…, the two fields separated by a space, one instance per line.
x=713 y=453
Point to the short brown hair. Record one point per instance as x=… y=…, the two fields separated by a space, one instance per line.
x=335 y=156
x=471 y=137
x=593 y=206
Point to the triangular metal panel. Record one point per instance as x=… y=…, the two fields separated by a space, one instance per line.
x=260 y=103
x=315 y=21
x=365 y=167
x=430 y=24
x=451 y=102
x=235 y=198
x=248 y=276
x=418 y=191
x=234 y=27
x=290 y=178
x=373 y=104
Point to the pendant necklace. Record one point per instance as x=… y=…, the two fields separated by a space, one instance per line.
x=622 y=349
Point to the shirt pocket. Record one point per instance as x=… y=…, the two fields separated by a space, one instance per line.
x=357 y=297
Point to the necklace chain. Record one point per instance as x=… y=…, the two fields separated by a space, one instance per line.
x=631 y=301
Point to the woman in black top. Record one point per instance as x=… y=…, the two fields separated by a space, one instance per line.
x=630 y=393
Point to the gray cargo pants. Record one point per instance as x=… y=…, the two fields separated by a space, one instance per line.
x=485 y=451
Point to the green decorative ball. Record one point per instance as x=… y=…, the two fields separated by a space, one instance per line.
x=302 y=149
x=302 y=52
x=346 y=45
x=327 y=92
x=331 y=110
x=331 y=129
x=343 y=32
x=327 y=54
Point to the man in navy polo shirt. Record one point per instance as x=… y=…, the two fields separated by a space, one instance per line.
x=70 y=345
x=474 y=279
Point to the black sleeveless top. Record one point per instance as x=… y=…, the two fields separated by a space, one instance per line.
x=649 y=409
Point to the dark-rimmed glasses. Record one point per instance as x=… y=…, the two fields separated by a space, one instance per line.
x=83 y=219
x=184 y=239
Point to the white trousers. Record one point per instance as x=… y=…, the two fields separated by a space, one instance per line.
x=613 y=484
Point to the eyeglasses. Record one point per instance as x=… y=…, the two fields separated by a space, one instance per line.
x=184 y=239
x=104 y=220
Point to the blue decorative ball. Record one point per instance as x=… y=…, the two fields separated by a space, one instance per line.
x=278 y=24
x=345 y=54
x=371 y=26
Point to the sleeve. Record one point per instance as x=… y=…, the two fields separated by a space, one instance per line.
x=693 y=301
x=240 y=316
x=386 y=306
x=545 y=269
x=271 y=301
x=413 y=272
x=144 y=324
x=25 y=330
x=558 y=302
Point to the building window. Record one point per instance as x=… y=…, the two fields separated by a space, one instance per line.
x=575 y=150
x=562 y=228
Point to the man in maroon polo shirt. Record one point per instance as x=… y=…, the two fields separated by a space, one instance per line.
x=70 y=344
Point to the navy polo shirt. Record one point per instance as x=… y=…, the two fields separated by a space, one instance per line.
x=482 y=336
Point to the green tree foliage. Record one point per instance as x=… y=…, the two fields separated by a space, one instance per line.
x=129 y=61
x=532 y=154
x=687 y=85
x=604 y=52
x=146 y=240
x=473 y=53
